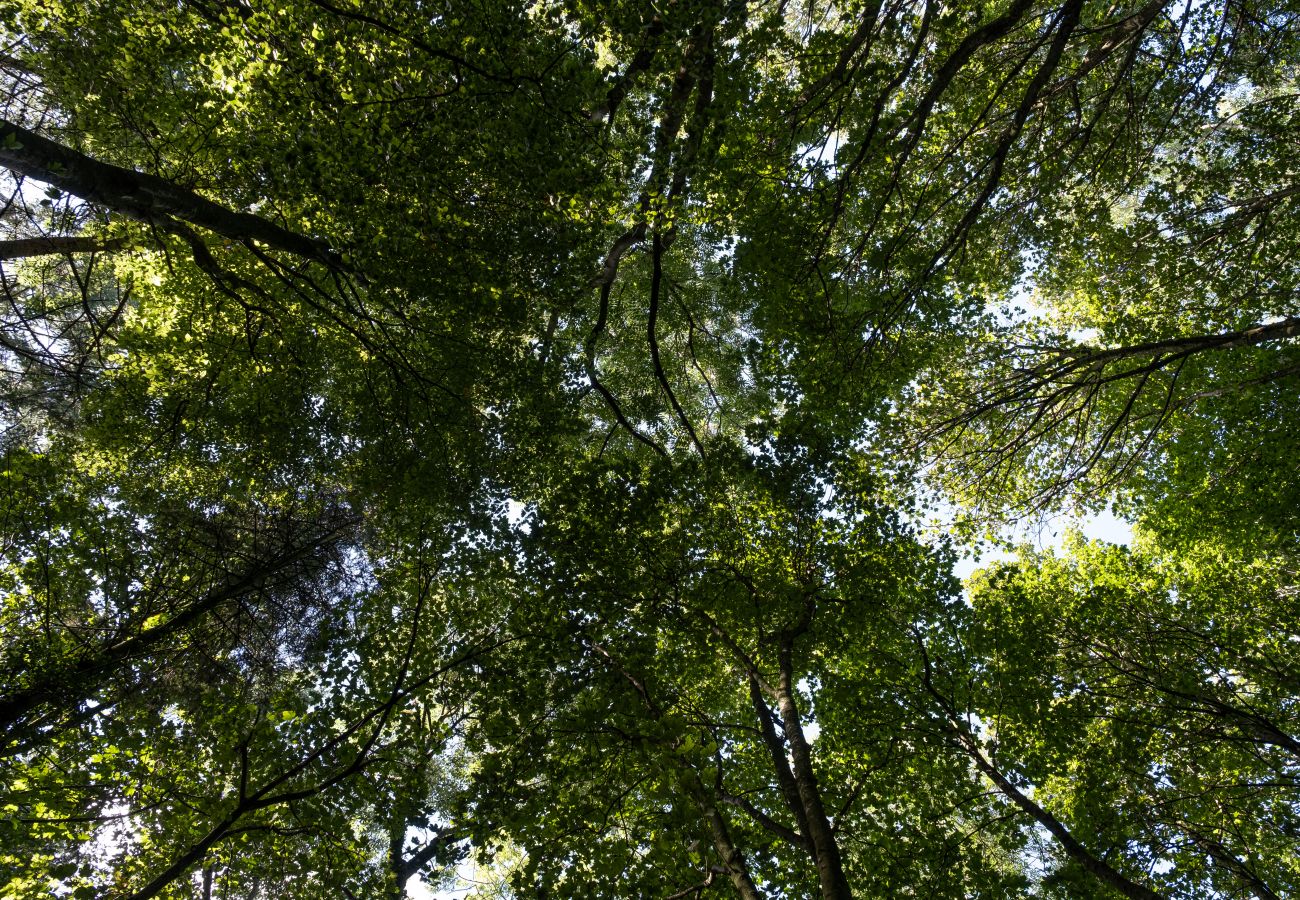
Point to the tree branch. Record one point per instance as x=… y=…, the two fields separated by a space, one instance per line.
x=144 y=196
x=1075 y=850
x=24 y=248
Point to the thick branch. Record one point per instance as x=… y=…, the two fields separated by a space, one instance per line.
x=640 y=63
x=420 y=858
x=732 y=859
x=979 y=38
x=1066 y=371
x=144 y=196
x=1085 y=359
x=1251 y=722
x=1066 y=25
x=1121 y=33
x=781 y=765
x=696 y=889
x=637 y=684
x=837 y=75
x=22 y=248
x=789 y=835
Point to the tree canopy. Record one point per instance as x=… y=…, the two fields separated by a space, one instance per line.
x=532 y=443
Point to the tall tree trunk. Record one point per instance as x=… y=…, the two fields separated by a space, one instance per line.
x=830 y=868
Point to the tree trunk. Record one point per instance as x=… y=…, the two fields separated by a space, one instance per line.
x=731 y=857
x=77 y=676
x=1069 y=844
x=830 y=868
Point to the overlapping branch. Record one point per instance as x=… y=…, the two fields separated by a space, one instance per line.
x=1058 y=394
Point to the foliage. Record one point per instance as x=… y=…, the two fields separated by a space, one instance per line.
x=494 y=437
x=1150 y=696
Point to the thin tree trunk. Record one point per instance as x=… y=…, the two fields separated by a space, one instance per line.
x=1069 y=844
x=731 y=857
x=830 y=868
x=784 y=777
x=76 y=676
